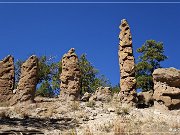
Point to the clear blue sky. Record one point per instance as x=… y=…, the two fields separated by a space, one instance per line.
x=52 y=29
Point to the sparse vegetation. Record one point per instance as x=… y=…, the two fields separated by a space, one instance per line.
x=3 y=114
x=115 y=89
x=91 y=104
x=75 y=105
x=122 y=110
x=106 y=127
x=118 y=128
x=4 y=104
x=70 y=132
x=73 y=132
x=87 y=131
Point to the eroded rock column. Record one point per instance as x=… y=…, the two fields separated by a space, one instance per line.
x=28 y=81
x=70 y=76
x=6 y=78
x=127 y=65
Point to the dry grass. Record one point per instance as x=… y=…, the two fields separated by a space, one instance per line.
x=80 y=114
x=70 y=132
x=106 y=127
x=109 y=99
x=75 y=105
x=122 y=110
x=3 y=114
x=87 y=131
x=91 y=104
x=119 y=127
x=126 y=126
x=4 y=104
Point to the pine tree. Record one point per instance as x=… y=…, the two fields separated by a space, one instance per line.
x=90 y=79
x=152 y=53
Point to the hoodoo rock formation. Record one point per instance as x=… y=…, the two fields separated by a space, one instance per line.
x=70 y=76
x=28 y=81
x=167 y=87
x=127 y=64
x=6 y=78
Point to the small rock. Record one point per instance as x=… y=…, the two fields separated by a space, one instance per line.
x=86 y=97
x=111 y=109
x=91 y=118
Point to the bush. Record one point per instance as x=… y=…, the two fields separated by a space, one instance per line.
x=122 y=110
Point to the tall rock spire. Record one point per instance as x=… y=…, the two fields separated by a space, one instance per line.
x=7 y=78
x=127 y=65
x=70 y=76
x=28 y=80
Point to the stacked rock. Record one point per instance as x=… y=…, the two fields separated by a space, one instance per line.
x=7 y=78
x=70 y=76
x=127 y=65
x=28 y=80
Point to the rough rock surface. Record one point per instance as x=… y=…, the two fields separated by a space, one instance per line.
x=86 y=97
x=145 y=99
x=167 y=87
x=127 y=64
x=170 y=76
x=70 y=76
x=6 y=78
x=28 y=81
x=101 y=94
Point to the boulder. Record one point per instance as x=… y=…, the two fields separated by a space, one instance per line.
x=170 y=76
x=167 y=87
x=101 y=94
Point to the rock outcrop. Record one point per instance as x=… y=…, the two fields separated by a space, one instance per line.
x=127 y=64
x=167 y=87
x=101 y=94
x=6 y=78
x=70 y=76
x=28 y=81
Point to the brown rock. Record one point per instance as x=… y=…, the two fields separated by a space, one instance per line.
x=167 y=87
x=70 y=76
x=6 y=78
x=145 y=99
x=86 y=96
x=102 y=94
x=127 y=64
x=170 y=76
x=28 y=81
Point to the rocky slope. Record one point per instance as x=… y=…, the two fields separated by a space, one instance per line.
x=53 y=116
